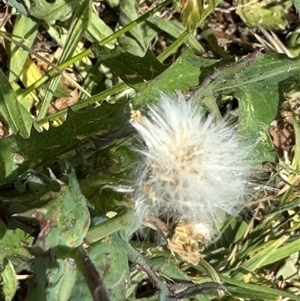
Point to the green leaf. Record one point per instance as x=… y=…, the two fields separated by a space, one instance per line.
x=18 y=119
x=126 y=223
x=253 y=291
x=182 y=75
x=65 y=220
x=98 y=30
x=25 y=31
x=53 y=278
x=276 y=254
x=262 y=258
x=169 y=268
x=132 y=41
x=9 y=281
x=225 y=76
x=175 y=29
x=133 y=70
x=296 y=159
x=105 y=266
x=88 y=279
x=79 y=24
x=18 y=154
x=256 y=14
x=289 y=268
x=110 y=258
x=18 y=6
x=255 y=82
x=297 y=5
x=13 y=246
x=50 y=11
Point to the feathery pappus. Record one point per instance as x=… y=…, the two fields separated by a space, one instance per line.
x=193 y=171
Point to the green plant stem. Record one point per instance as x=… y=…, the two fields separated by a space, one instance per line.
x=208 y=11
x=84 y=103
x=264 y=292
x=121 y=86
x=125 y=225
x=174 y=46
x=92 y=277
x=135 y=257
x=55 y=69
x=211 y=272
x=52 y=72
x=127 y=222
x=117 y=88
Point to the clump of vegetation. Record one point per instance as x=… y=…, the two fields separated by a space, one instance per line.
x=73 y=74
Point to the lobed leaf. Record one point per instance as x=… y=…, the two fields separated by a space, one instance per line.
x=133 y=70
x=19 y=154
x=65 y=219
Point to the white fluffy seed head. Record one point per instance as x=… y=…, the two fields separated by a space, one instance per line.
x=193 y=168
